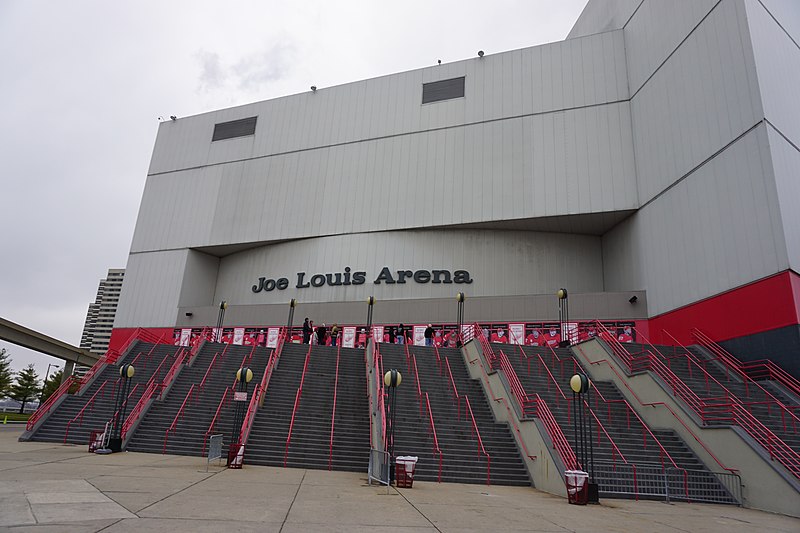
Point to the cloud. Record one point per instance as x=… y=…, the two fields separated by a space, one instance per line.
x=258 y=70
x=212 y=73
x=250 y=73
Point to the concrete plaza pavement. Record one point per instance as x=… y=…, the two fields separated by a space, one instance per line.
x=51 y=487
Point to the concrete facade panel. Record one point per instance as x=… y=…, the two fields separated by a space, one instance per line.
x=655 y=31
x=700 y=100
x=711 y=232
x=533 y=263
x=351 y=188
x=152 y=289
x=497 y=86
x=786 y=166
x=608 y=15
x=777 y=59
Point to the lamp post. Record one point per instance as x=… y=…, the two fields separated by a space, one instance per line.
x=391 y=379
x=580 y=385
x=223 y=305
x=290 y=320
x=563 y=317
x=46 y=375
x=243 y=376
x=460 y=297
x=370 y=303
x=126 y=373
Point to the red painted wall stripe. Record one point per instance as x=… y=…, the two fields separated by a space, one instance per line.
x=763 y=305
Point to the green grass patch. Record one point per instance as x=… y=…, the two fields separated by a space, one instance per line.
x=14 y=417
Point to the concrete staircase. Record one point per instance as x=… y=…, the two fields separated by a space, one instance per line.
x=189 y=435
x=146 y=360
x=462 y=461
x=623 y=434
x=310 y=443
x=714 y=383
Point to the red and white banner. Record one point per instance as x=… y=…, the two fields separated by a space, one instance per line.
x=516 y=333
x=467 y=331
x=377 y=333
x=186 y=336
x=238 y=335
x=272 y=337
x=348 y=337
x=419 y=335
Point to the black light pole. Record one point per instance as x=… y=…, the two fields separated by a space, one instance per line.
x=391 y=379
x=370 y=303
x=46 y=375
x=243 y=376
x=460 y=297
x=223 y=305
x=290 y=320
x=126 y=372
x=563 y=317
x=580 y=385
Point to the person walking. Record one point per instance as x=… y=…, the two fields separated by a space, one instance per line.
x=307 y=331
x=401 y=334
x=322 y=333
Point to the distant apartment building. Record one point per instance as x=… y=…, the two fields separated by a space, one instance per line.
x=100 y=315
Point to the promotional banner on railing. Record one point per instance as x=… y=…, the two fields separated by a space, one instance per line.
x=377 y=333
x=419 y=335
x=348 y=337
x=272 y=337
x=516 y=333
x=186 y=336
x=238 y=335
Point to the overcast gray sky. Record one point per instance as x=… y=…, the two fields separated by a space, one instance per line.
x=82 y=84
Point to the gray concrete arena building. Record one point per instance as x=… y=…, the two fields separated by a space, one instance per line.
x=653 y=153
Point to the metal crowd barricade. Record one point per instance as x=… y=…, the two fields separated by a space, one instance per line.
x=214 y=449
x=379 y=465
x=653 y=482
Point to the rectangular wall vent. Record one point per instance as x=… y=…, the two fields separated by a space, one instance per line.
x=443 y=90
x=234 y=128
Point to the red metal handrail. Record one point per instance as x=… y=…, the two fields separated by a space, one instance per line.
x=208 y=370
x=771 y=400
x=505 y=403
x=628 y=408
x=777 y=448
x=89 y=405
x=173 y=371
x=432 y=427
x=178 y=415
x=481 y=449
x=152 y=387
x=51 y=400
x=732 y=363
x=542 y=412
x=296 y=402
x=456 y=396
x=222 y=402
x=333 y=413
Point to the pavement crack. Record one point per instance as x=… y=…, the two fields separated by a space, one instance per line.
x=417 y=510
x=175 y=493
x=289 y=510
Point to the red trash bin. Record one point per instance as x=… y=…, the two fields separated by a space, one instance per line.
x=577 y=487
x=404 y=469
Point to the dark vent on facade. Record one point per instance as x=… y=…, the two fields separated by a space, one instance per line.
x=234 y=128
x=442 y=90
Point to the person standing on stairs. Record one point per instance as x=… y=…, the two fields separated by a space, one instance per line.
x=334 y=334
x=429 y=335
x=306 y=331
x=322 y=333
